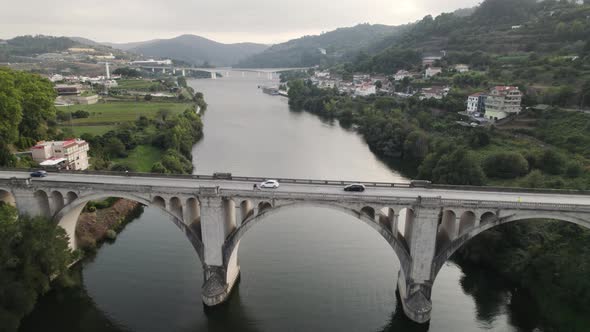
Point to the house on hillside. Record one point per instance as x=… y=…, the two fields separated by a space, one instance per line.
x=365 y=89
x=436 y=92
x=476 y=103
x=71 y=154
x=428 y=61
x=431 y=71
x=502 y=101
x=401 y=74
x=462 y=68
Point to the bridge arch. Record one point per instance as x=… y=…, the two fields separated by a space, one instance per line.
x=68 y=216
x=7 y=197
x=232 y=242
x=57 y=201
x=490 y=220
x=43 y=202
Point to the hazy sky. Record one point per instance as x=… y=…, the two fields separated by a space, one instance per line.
x=227 y=21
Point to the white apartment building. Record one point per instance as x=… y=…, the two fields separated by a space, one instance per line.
x=476 y=103
x=71 y=154
x=502 y=101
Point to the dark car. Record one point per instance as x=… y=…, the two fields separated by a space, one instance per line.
x=355 y=187
x=39 y=174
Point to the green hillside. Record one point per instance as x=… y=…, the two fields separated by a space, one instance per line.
x=305 y=51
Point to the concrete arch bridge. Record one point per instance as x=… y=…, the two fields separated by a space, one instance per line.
x=424 y=225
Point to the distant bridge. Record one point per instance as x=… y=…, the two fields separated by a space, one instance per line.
x=270 y=72
x=423 y=225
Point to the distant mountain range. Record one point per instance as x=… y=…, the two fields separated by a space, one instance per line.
x=191 y=49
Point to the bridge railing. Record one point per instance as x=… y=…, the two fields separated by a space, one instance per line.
x=315 y=181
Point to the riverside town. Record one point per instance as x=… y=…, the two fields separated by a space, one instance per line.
x=413 y=166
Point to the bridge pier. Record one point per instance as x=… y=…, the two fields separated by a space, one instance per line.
x=183 y=73
x=415 y=288
x=218 y=220
x=213 y=75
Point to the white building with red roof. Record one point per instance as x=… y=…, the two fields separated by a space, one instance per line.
x=70 y=154
x=503 y=101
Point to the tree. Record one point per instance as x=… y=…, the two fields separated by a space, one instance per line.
x=147 y=97
x=505 y=165
x=32 y=250
x=552 y=162
x=11 y=111
x=114 y=148
x=416 y=146
x=163 y=114
x=378 y=84
x=459 y=168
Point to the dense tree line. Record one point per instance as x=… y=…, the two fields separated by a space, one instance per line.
x=27 y=113
x=32 y=251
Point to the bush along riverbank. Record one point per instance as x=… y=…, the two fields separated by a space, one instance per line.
x=548 y=259
x=102 y=221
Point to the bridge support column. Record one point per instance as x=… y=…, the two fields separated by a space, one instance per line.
x=153 y=70
x=219 y=275
x=415 y=287
x=213 y=75
x=183 y=73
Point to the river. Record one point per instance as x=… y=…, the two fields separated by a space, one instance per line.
x=304 y=269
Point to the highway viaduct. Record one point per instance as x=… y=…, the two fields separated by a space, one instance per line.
x=269 y=72
x=424 y=225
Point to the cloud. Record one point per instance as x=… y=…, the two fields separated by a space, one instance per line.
x=223 y=20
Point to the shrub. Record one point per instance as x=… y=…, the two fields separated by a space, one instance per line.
x=552 y=162
x=505 y=165
x=110 y=235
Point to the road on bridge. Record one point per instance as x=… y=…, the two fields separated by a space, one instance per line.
x=328 y=189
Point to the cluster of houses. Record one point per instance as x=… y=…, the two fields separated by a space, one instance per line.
x=496 y=104
x=500 y=102
x=362 y=84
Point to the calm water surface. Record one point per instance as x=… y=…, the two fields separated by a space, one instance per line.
x=304 y=269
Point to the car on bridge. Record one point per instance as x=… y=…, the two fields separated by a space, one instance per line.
x=355 y=187
x=38 y=174
x=270 y=184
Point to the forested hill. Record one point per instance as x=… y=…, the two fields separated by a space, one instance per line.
x=495 y=28
x=31 y=46
x=307 y=50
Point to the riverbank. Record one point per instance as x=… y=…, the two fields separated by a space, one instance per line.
x=425 y=134
x=97 y=225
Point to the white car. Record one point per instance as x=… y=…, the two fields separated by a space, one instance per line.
x=270 y=184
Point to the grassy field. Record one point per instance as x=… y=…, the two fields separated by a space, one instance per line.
x=141 y=158
x=94 y=130
x=119 y=112
x=136 y=84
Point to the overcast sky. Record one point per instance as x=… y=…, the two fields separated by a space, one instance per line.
x=227 y=21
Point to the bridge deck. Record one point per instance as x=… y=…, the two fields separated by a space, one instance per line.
x=321 y=187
